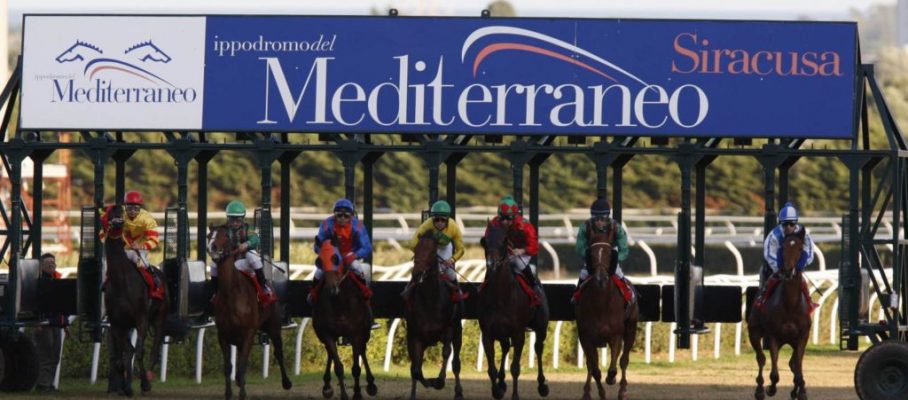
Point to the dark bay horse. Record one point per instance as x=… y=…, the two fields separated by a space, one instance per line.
x=432 y=317
x=505 y=314
x=128 y=307
x=785 y=320
x=602 y=318
x=238 y=313
x=341 y=309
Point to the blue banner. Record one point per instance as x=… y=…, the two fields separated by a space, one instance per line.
x=530 y=76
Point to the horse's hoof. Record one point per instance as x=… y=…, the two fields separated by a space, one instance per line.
x=344 y=395
x=543 y=389
x=371 y=389
x=458 y=393
x=503 y=386
x=497 y=393
x=286 y=383
x=146 y=386
x=759 y=394
x=610 y=378
x=327 y=392
x=439 y=383
x=586 y=396
x=771 y=391
x=242 y=393
x=357 y=396
x=128 y=392
x=622 y=394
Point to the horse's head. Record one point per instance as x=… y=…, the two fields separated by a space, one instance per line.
x=425 y=257
x=78 y=52
x=792 y=245
x=329 y=261
x=112 y=220
x=600 y=254
x=147 y=51
x=495 y=244
x=219 y=244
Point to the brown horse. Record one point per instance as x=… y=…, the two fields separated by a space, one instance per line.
x=602 y=318
x=238 y=313
x=128 y=307
x=341 y=309
x=432 y=317
x=505 y=313
x=785 y=320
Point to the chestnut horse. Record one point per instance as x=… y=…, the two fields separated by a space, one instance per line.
x=505 y=313
x=785 y=320
x=432 y=317
x=238 y=314
x=341 y=309
x=129 y=306
x=602 y=318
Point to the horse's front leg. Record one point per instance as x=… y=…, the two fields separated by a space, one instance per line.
x=756 y=341
x=371 y=389
x=331 y=348
x=592 y=369
x=630 y=335
x=488 y=345
x=443 y=373
x=774 y=370
x=144 y=379
x=228 y=366
x=126 y=359
x=505 y=348
x=538 y=347
x=456 y=344
x=327 y=390
x=274 y=333
x=242 y=361
x=518 y=341
x=115 y=367
x=797 y=358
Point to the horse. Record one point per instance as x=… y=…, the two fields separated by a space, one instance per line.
x=505 y=313
x=432 y=317
x=785 y=320
x=238 y=314
x=129 y=306
x=341 y=309
x=602 y=318
x=147 y=51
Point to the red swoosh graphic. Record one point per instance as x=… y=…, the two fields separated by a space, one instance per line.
x=96 y=70
x=492 y=48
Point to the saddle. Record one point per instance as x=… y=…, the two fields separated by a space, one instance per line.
x=525 y=286
x=363 y=288
x=625 y=286
x=770 y=295
x=154 y=291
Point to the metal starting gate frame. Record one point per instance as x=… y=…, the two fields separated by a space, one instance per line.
x=877 y=192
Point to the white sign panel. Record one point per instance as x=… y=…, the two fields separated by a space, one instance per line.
x=113 y=73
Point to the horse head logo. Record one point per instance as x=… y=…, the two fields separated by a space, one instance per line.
x=147 y=51
x=78 y=52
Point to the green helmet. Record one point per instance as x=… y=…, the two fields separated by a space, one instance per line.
x=508 y=206
x=236 y=208
x=441 y=208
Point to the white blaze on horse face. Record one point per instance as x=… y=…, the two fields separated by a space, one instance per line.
x=791 y=243
x=214 y=235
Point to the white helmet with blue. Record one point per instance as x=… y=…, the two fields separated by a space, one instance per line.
x=788 y=213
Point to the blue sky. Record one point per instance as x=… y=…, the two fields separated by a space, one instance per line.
x=733 y=9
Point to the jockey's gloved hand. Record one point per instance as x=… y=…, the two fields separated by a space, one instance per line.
x=349 y=258
x=448 y=263
x=518 y=252
x=244 y=247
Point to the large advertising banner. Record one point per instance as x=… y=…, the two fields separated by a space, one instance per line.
x=475 y=75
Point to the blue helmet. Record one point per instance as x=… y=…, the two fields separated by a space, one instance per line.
x=343 y=204
x=788 y=213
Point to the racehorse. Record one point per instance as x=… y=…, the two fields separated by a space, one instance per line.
x=785 y=320
x=238 y=314
x=432 y=317
x=505 y=313
x=341 y=309
x=129 y=306
x=602 y=318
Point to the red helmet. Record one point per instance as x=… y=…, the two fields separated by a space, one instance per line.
x=133 y=197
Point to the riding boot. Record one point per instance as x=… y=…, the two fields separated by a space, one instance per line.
x=531 y=278
x=260 y=275
x=576 y=295
x=154 y=276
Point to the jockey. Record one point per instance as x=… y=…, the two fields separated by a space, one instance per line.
x=247 y=241
x=772 y=251
x=351 y=239
x=523 y=244
x=601 y=221
x=139 y=232
x=450 y=245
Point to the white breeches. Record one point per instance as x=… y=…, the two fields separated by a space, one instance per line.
x=585 y=274
x=252 y=259
x=358 y=267
x=135 y=258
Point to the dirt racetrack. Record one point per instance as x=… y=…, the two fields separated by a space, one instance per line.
x=828 y=372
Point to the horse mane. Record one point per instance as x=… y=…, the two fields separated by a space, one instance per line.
x=424 y=252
